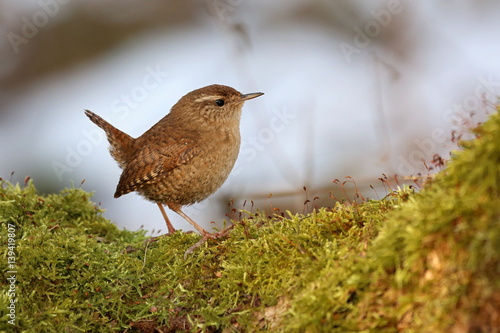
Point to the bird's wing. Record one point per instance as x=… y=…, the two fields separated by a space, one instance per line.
x=150 y=164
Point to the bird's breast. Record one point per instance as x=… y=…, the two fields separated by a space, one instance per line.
x=205 y=172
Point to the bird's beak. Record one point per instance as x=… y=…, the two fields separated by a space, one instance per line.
x=246 y=97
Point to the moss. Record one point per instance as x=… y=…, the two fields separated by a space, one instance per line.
x=441 y=250
x=423 y=262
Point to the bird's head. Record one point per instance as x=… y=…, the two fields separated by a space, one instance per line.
x=214 y=103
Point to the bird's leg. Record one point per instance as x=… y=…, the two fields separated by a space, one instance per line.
x=170 y=227
x=205 y=234
x=177 y=208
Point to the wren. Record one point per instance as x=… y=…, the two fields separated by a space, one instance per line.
x=184 y=157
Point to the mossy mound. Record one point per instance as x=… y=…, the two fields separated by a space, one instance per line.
x=423 y=262
x=440 y=251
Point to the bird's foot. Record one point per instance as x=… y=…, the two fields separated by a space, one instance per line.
x=206 y=236
x=223 y=232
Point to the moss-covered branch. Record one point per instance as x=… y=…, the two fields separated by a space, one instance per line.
x=424 y=262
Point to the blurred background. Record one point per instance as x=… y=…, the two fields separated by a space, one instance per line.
x=352 y=89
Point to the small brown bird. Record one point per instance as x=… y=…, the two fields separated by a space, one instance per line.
x=186 y=156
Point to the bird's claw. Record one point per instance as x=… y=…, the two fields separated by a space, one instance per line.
x=206 y=236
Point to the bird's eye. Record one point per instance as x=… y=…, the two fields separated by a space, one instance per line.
x=219 y=102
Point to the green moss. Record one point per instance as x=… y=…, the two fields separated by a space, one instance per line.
x=441 y=250
x=423 y=262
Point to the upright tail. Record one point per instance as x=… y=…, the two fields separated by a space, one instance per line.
x=122 y=145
